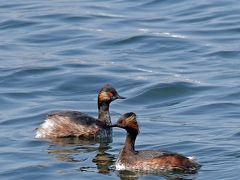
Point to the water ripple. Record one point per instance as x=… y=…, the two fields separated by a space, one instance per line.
x=13 y=24
x=177 y=62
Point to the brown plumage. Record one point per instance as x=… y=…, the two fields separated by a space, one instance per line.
x=74 y=123
x=148 y=160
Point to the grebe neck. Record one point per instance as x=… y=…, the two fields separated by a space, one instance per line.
x=129 y=146
x=103 y=112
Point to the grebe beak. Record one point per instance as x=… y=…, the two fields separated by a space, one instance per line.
x=120 y=97
x=113 y=125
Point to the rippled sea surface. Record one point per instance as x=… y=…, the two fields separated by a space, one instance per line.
x=178 y=62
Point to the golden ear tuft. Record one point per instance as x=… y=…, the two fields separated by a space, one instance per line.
x=103 y=96
x=132 y=122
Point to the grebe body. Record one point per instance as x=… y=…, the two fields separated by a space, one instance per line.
x=149 y=160
x=74 y=123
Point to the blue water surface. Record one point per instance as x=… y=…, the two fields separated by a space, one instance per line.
x=178 y=62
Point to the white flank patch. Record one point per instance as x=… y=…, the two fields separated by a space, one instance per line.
x=120 y=166
x=38 y=134
x=45 y=129
x=192 y=158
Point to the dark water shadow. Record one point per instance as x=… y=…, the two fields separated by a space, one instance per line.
x=131 y=175
x=104 y=160
x=65 y=149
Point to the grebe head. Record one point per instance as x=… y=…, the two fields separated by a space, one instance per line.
x=108 y=94
x=128 y=122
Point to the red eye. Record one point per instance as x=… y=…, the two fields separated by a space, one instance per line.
x=110 y=94
x=123 y=121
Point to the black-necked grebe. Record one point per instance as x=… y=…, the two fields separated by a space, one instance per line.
x=148 y=160
x=74 y=123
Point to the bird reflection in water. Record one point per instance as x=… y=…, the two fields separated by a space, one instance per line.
x=131 y=175
x=134 y=175
x=78 y=150
x=104 y=160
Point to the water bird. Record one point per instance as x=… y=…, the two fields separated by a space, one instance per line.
x=149 y=160
x=75 y=123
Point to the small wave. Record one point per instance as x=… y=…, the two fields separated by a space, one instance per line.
x=13 y=24
x=158 y=94
x=216 y=109
x=106 y=15
x=145 y=70
x=225 y=53
x=186 y=79
x=165 y=34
